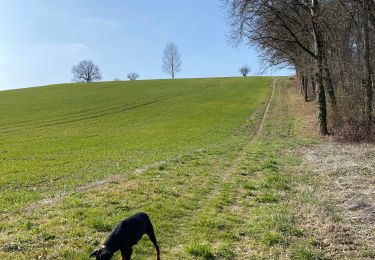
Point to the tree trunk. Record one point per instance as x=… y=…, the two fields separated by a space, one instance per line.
x=322 y=103
x=367 y=81
x=318 y=46
x=302 y=83
x=330 y=88
x=313 y=86
x=305 y=88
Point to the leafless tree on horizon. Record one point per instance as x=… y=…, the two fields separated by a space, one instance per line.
x=86 y=71
x=133 y=76
x=171 y=60
x=244 y=70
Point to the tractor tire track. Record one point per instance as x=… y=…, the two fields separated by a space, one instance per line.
x=107 y=112
x=227 y=175
x=140 y=170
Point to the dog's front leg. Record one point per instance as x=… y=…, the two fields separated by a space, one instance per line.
x=126 y=253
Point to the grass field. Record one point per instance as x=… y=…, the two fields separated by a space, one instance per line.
x=55 y=138
x=229 y=182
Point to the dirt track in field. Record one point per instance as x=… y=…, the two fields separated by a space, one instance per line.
x=140 y=170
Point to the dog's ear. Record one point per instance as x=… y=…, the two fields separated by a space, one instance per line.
x=93 y=254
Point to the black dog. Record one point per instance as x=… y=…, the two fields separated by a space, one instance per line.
x=125 y=235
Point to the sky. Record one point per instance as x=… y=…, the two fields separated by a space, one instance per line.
x=40 y=40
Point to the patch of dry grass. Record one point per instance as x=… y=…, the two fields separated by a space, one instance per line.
x=347 y=176
x=337 y=206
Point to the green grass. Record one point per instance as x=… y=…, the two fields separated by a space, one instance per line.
x=233 y=199
x=55 y=138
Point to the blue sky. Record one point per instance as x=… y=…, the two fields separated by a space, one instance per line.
x=40 y=40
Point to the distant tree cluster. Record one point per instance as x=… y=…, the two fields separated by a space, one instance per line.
x=87 y=71
x=330 y=43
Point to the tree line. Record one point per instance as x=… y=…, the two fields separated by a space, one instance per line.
x=331 y=45
x=88 y=71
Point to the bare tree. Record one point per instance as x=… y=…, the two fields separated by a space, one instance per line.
x=245 y=70
x=133 y=76
x=86 y=71
x=330 y=43
x=171 y=60
x=283 y=30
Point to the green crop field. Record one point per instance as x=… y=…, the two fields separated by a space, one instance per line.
x=55 y=138
x=210 y=160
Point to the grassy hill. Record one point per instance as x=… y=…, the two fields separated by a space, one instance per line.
x=56 y=138
x=224 y=168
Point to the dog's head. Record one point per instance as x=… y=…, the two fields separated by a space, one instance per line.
x=102 y=254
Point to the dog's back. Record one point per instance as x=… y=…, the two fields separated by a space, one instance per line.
x=129 y=231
